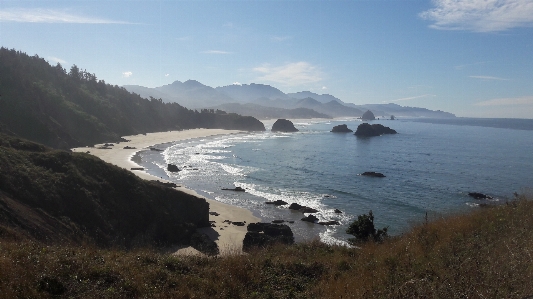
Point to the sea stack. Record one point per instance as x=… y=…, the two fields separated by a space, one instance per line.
x=367 y=130
x=283 y=125
x=341 y=129
x=368 y=115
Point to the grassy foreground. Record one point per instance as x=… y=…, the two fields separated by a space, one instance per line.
x=487 y=253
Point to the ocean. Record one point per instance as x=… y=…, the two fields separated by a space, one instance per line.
x=430 y=166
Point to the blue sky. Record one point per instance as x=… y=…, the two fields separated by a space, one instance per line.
x=469 y=57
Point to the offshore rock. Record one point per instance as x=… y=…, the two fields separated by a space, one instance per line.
x=283 y=125
x=172 y=168
x=341 y=129
x=373 y=174
x=278 y=202
x=477 y=195
x=311 y=218
x=266 y=234
x=368 y=115
x=367 y=130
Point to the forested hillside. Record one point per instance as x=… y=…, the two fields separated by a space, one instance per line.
x=63 y=109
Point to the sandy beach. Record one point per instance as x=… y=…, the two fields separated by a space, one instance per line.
x=228 y=237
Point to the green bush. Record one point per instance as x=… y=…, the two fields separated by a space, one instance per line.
x=363 y=229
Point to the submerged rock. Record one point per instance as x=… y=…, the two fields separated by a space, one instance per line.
x=283 y=125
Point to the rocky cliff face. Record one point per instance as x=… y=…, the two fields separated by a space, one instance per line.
x=283 y=125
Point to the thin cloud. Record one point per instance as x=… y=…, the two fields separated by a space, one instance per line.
x=127 y=74
x=414 y=98
x=462 y=66
x=280 y=38
x=480 y=15
x=487 y=78
x=290 y=74
x=528 y=100
x=237 y=83
x=56 y=60
x=215 y=52
x=37 y=15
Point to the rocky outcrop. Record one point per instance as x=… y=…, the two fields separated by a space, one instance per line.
x=283 y=125
x=477 y=195
x=278 y=202
x=266 y=234
x=311 y=218
x=373 y=174
x=204 y=244
x=303 y=209
x=368 y=115
x=238 y=189
x=341 y=129
x=172 y=168
x=367 y=130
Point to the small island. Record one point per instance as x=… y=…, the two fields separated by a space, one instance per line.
x=368 y=115
x=283 y=125
x=367 y=130
x=341 y=129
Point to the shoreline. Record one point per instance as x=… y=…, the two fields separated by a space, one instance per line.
x=229 y=237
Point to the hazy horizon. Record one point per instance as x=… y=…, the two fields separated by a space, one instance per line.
x=468 y=57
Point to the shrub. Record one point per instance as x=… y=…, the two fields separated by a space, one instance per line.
x=363 y=229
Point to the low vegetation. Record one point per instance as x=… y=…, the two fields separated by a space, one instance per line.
x=484 y=254
x=57 y=196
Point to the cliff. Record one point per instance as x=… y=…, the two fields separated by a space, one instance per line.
x=53 y=195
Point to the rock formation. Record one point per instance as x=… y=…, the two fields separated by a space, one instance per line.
x=477 y=195
x=367 y=130
x=373 y=174
x=341 y=129
x=368 y=115
x=283 y=125
x=266 y=234
x=172 y=168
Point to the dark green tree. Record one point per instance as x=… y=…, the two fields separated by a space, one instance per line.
x=363 y=230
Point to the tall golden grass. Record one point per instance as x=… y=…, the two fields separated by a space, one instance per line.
x=486 y=253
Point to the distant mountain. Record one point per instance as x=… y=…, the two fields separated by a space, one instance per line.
x=262 y=112
x=46 y=104
x=386 y=110
x=248 y=93
x=194 y=94
x=323 y=98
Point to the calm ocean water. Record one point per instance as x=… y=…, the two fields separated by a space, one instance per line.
x=430 y=166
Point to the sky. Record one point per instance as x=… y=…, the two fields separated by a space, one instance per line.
x=473 y=58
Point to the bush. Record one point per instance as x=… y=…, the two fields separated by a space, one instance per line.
x=363 y=229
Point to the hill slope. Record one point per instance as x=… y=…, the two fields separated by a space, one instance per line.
x=54 y=195
x=63 y=110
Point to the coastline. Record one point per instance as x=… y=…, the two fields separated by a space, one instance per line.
x=228 y=238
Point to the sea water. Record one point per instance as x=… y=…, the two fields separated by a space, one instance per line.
x=429 y=167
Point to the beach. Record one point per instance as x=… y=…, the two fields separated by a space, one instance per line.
x=228 y=237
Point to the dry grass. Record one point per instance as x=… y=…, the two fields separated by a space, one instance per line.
x=485 y=254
